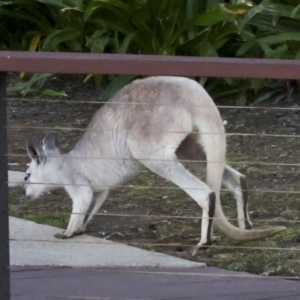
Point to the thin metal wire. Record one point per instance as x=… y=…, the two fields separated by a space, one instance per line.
x=146 y=131
x=108 y=158
x=151 y=187
x=162 y=160
x=153 y=244
x=163 y=216
x=145 y=103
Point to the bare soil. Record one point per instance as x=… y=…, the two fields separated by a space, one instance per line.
x=151 y=213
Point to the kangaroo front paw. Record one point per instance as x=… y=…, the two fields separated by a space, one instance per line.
x=68 y=234
x=61 y=236
x=78 y=232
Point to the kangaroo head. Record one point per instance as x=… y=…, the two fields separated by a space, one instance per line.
x=43 y=169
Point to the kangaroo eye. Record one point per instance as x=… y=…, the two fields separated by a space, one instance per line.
x=27 y=176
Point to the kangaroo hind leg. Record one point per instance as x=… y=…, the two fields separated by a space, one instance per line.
x=175 y=172
x=191 y=153
x=236 y=182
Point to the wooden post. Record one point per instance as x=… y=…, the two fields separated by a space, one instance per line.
x=4 y=231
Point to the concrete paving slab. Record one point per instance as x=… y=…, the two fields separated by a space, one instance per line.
x=33 y=244
x=15 y=178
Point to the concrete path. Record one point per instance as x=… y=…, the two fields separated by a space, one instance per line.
x=15 y=178
x=33 y=244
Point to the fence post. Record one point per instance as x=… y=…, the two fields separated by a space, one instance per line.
x=4 y=234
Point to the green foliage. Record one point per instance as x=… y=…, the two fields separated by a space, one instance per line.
x=35 y=86
x=116 y=84
x=166 y=27
x=271 y=30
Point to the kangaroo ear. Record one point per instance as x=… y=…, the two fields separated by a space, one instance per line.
x=50 y=142
x=35 y=153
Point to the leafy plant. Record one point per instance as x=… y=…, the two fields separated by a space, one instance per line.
x=242 y=28
x=277 y=91
x=116 y=84
x=34 y=86
x=270 y=30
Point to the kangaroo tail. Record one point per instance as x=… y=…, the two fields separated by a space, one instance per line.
x=213 y=140
x=237 y=234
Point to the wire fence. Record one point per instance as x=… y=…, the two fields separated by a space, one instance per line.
x=145 y=131
x=170 y=245
x=11 y=127
x=5 y=155
x=100 y=103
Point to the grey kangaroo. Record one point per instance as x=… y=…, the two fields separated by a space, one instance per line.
x=161 y=123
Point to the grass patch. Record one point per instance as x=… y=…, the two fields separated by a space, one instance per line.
x=55 y=220
x=286 y=235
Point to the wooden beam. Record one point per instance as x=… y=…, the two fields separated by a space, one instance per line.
x=86 y=63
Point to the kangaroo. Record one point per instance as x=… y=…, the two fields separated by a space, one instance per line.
x=160 y=123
